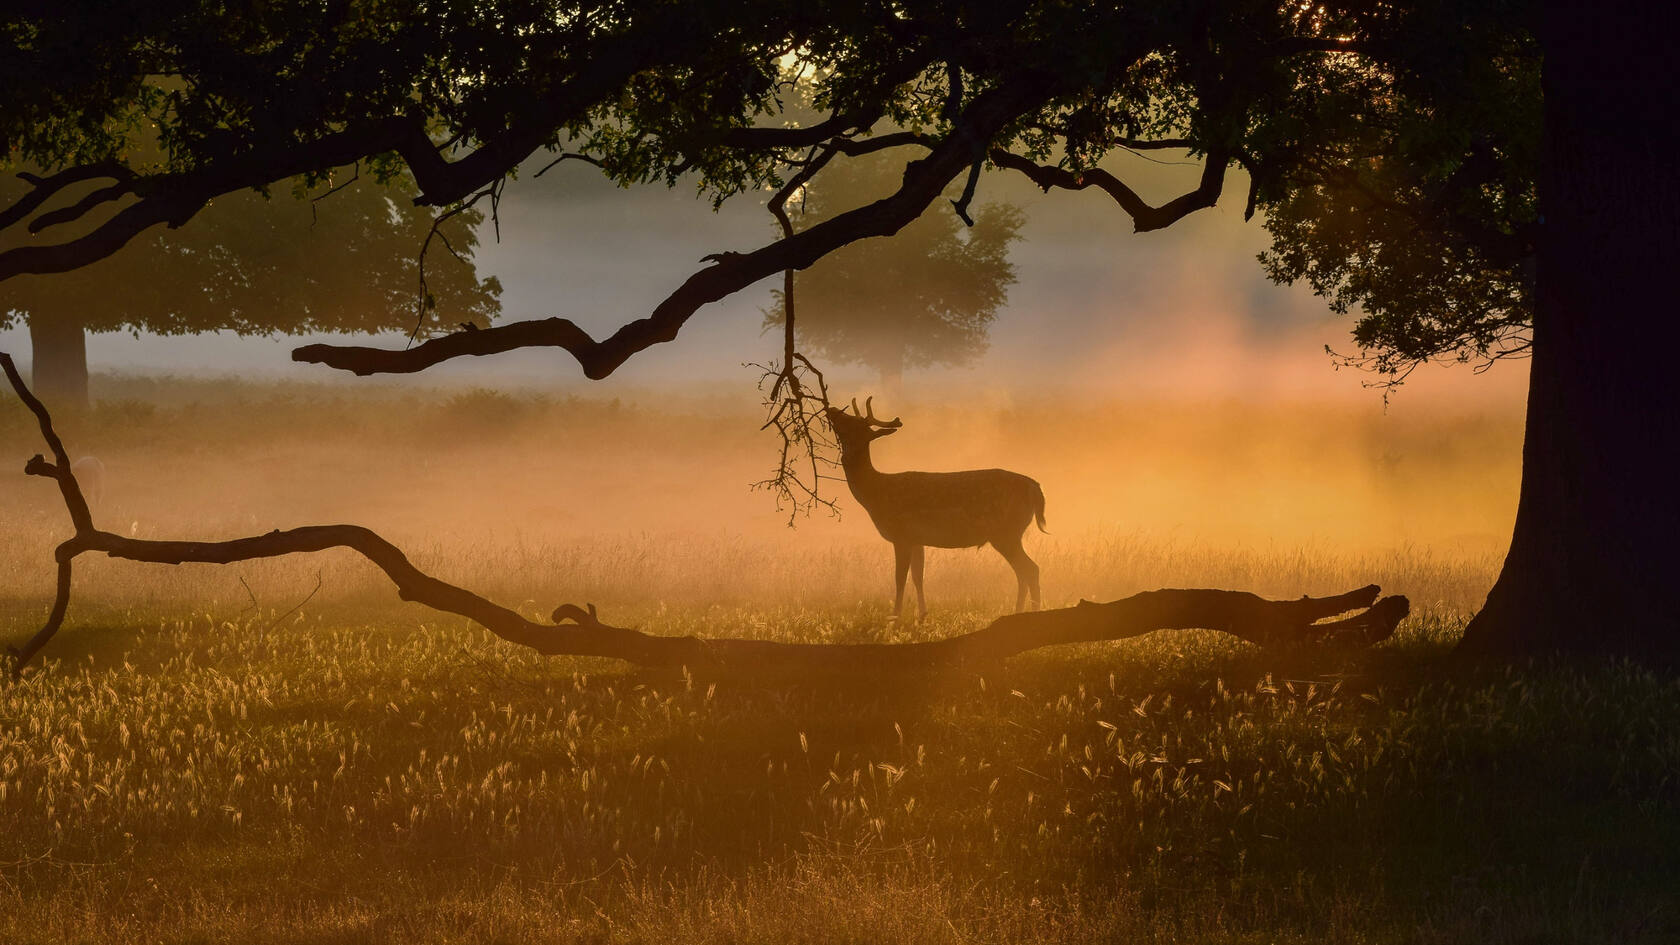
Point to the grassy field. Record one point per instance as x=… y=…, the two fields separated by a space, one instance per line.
x=202 y=759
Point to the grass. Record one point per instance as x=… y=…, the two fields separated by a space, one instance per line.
x=197 y=761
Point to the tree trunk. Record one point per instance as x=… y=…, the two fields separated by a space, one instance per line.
x=58 y=349
x=892 y=374
x=1590 y=568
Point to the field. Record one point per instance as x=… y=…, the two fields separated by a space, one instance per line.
x=281 y=751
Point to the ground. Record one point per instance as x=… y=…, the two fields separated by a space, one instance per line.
x=202 y=759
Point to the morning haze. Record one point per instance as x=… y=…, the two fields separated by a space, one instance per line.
x=1185 y=313
x=1157 y=383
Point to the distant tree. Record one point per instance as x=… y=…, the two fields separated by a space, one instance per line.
x=925 y=295
x=256 y=266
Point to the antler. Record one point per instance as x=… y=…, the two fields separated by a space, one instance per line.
x=869 y=407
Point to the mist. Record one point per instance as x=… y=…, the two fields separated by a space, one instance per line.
x=1182 y=314
x=1157 y=385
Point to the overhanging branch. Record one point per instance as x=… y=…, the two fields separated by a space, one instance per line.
x=173 y=198
x=924 y=180
x=1144 y=217
x=43 y=189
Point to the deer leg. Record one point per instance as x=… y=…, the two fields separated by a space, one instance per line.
x=901 y=567
x=1026 y=572
x=917 y=559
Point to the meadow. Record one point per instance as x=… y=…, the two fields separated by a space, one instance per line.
x=280 y=751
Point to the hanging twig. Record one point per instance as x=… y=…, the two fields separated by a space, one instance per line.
x=798 y=392
x=425 y=302
x=356 y=175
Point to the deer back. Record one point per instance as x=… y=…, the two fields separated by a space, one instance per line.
x=949 y=509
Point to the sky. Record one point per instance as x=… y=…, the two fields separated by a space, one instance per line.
x=1184 y=313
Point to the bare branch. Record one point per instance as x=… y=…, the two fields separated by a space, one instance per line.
x=107 y=238
x=1154 y=144
x=961 y=203
x=59 y=469
x=315 y=201
x=43 y=188
x=423 y=301
x=567 y=156
x=759 y=138
x=77 y=210
x=1144 y=217
x=795 y=407
x=896 y=139
x=1241 y=614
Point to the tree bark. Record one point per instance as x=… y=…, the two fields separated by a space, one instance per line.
x=1590 y=564
x=58 y=348
x=892 y=374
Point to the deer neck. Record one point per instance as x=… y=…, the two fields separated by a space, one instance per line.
x=860 y=472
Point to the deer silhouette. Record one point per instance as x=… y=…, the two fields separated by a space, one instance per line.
x=914 y=510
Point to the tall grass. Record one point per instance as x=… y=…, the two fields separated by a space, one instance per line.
x=200 y=760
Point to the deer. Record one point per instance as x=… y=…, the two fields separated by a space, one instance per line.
x=916 y=510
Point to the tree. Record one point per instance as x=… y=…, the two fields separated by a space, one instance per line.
x=1297 y=95
x=344 y=261
x=927 y=295
x=1504 y=207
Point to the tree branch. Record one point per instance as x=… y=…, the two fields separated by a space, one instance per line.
x=961 y=203
x=796 y=408
x=75 y=211
x=59 y=469
x=1144 y=217
x=896 y=139
x=924 y=180
x=763 y=138
x=43 y=188
x=173 y=198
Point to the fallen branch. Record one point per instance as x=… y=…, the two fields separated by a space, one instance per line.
x=578 y=631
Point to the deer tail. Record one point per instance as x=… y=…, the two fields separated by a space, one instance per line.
x=1038 y=507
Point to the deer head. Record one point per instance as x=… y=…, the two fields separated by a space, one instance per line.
x=859 y=427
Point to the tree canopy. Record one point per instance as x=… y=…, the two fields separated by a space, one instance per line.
x=259 y=265
x=1316 y=102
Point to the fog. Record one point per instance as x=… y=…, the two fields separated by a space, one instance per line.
x=1179 y=410
x=1181 y=314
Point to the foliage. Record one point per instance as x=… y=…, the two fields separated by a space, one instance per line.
x=343 y=261
x=1379 y=137
x=1417 y=209
x=926 y=295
